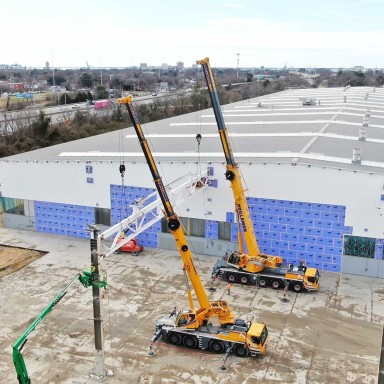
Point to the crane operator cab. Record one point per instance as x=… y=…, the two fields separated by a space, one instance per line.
x=185 y=318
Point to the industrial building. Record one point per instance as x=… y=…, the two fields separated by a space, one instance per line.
x=312 y=161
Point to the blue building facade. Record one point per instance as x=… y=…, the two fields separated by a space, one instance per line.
x=295 y=230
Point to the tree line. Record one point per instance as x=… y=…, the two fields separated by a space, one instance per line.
x=30 y=131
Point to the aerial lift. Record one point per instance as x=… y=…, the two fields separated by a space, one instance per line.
x=193 y=328
x=252 y=267
x=87 y=279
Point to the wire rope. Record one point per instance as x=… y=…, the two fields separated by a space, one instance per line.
x=193 y=251
x=124 y=198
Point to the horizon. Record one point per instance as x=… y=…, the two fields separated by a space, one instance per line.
x=170 y=66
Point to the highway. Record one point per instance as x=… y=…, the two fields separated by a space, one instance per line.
x=60 y=112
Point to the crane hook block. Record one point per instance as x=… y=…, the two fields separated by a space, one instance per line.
x=122 y=169
x=173 y=224
x=198 y=138
x=229 y=175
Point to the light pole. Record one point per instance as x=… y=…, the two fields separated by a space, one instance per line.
x=237 y=72
x=54 y=85
x=5 y=124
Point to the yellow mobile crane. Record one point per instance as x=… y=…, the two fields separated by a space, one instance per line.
x=193 y=328
x=252 y=267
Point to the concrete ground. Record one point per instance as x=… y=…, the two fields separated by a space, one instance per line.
x=330 y=336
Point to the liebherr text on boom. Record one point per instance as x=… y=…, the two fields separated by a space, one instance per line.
x=252 y=267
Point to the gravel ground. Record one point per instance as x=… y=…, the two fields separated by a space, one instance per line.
x=329 y=336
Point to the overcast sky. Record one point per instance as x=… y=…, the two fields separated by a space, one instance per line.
x=121 y=33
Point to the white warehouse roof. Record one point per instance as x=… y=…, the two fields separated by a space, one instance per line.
x=271 y=128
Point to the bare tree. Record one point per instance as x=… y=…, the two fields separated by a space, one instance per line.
x=180 y=103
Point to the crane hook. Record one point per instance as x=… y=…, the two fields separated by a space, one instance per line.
x=122 y=169
x=198 y=138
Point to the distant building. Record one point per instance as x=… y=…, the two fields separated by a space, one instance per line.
x=143 y=66
x=47 y=65
x=310 y=71
x=358 y=68
x=180 y=65
x=15 y=86
x=4 y=66
x=164 y=66
x=16 y=66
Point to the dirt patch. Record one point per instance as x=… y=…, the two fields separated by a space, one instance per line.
x=12 y=259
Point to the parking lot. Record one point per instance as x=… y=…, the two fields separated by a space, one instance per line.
x=329 y=336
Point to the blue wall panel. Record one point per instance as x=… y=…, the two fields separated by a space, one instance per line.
x=121 y=199
x=379 y=250
x=63 y=219
x=303 y=230
x=211 y=229
x=292 y=229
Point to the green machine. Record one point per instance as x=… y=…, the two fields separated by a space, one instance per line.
x=87 y=279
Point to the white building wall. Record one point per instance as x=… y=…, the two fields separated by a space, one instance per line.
x=66 y=182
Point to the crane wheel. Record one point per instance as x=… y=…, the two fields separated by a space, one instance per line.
x=297 y=287
x=174 y=338
x=276 y=284
x=263 y=282
x=244 y=280
x=231 y=277
x=173 y=224
x=190 y=341
x=216 y=346
x=240 y=350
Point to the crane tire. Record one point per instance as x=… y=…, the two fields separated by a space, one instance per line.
x=297 y=287
x=276 y=284
x=231 y=277
x=135 y=253
x=244 y=279
x=174 y=338
x=263 y=282
x=216 y=346
x=240 y=350
x=190 y=341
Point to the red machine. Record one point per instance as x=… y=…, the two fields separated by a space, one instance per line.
x=131 y=247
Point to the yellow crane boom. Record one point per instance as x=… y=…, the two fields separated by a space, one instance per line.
x=252 y=261
x=193 y=327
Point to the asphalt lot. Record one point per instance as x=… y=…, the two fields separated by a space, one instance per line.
x=330 y=336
